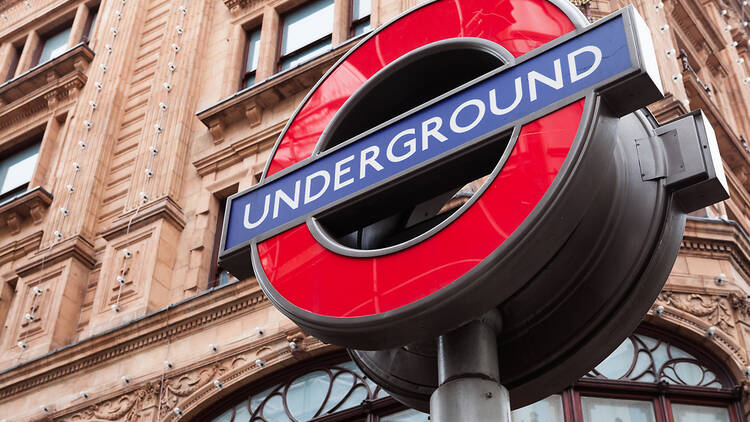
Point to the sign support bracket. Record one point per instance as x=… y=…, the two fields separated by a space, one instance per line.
x=469 y=376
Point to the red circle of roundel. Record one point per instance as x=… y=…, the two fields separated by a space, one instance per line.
x=320 y=281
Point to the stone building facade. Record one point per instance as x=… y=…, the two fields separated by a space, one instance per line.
x=125 y=123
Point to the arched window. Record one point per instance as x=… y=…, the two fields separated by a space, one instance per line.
x=647 y=379
x=332 y=389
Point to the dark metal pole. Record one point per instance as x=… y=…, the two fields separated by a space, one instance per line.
x=468 y=376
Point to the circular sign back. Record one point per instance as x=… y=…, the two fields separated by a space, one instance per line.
x=361 y=297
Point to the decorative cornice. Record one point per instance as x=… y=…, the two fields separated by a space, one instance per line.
x=714 y=309
x=44 y=86
x=32 y=203
x=250 y=102
x=163 y=208
x=157 y=328
x=699 y=325
x=692 y=16
x=20 y=247
x=190 y=387
x=730 y=145
x=236 y=5
x=212 y=160
x=713 y=237
x=668 y=108
x=75 y=247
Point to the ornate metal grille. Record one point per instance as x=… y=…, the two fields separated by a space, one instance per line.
x=313 y=394
x=644 y=359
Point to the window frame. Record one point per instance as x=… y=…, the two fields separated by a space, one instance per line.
x=215 y=270
x=92 y=19
x=16 y=50
x=377 y=408
x=34 y=137
x=44 y=38
x=244 y=73
x=356 y=22
x=661 y=395
x=281 y=58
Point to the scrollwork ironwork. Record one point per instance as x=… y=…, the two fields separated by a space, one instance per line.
x=316 y=393
x=644 y=359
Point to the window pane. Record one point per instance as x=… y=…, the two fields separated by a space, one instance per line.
x=692 y=413
x=361 y=27
x=249 y=80
x=355 y=399
x=617 y=364
x=225 y=278
x=54 y=45
x=645 y=359
x=342 y=384
x=257 y=400
x=225 y=417
x=360 y=9
x=306 y=395
x=410 y=415
x=335 y=389
x=547 y=410
x=253 y=49
x=306 y=25
x=241 y=413
x=615 y=410
x=17 y=169
x=305 y=55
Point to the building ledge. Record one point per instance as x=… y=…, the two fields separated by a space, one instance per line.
x=733 y=152
x=45 y=85
x=713 y=237
x=175 y=321
x=30 y=204
x=701 y=30
x=250 y=102
x=164 y=208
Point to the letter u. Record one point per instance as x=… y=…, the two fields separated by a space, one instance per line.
x=250 y=225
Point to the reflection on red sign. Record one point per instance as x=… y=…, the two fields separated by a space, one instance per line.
x=322 y=282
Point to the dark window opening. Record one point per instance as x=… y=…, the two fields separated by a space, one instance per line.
x=15 y=57
x=88 y=28
x=219 y=276
x=417 y=203
x=52 y=45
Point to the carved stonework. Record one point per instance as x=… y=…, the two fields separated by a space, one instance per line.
x=715 y=310
x=235 y=5
x=37 y=307
x=740 y=303
x=184 y=385
x=13 y=222
x=192 y=388
x=44 y=87
x=140 y=248
x=126 y=407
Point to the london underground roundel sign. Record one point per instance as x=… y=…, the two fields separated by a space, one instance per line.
x=366 y=231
